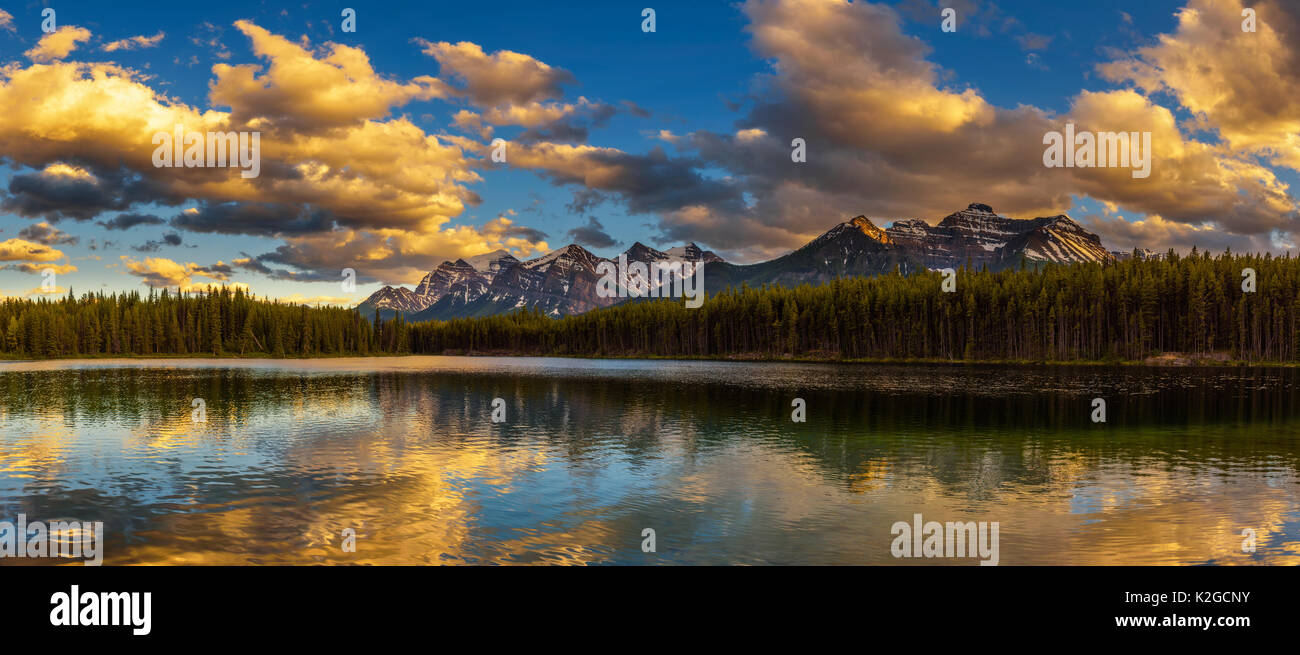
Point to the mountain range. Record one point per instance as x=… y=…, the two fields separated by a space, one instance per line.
x=564 y=281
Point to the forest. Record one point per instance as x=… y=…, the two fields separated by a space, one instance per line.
x=220 y=322
x=1117 y=311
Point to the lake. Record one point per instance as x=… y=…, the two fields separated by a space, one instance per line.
x=404 y=453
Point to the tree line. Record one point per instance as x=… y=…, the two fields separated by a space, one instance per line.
x=1126 y=310
x=216 y=322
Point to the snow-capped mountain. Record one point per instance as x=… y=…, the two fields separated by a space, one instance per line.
x=643 y=254
x=976 y=235
x=1142 y=254
x=440 y=280
x=692 y=253
x=983 y=237
x=558 y=283
x=564 y=281
x=491 y=263
x=393 y=299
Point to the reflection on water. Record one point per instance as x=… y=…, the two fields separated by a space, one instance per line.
x=592 y=452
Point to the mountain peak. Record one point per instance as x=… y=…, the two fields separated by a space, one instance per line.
x=868 y=228
x=980 y=207
x=692 y=253
x=572 y=252
x=392 y=299
x=639 y=252
x=491 y=263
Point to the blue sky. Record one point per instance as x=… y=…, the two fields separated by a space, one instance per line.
x=683 y=133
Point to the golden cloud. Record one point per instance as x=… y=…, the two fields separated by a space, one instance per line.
x=327 y=145
x=58 y=44
x=501 y=78
x=161 y=272
x=1244 y=84
x=20 y=250
x=309 y=91
x=40 y=291
x=61 y=269
x=377 y=174
x=134 y=43
x=1195 y=181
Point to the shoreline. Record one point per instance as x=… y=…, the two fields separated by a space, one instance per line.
x=1168 y=360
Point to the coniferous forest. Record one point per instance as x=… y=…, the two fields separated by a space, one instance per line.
x=1127 y=310
x=217 y=323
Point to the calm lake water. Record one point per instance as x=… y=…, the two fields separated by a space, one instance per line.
x=592 y=453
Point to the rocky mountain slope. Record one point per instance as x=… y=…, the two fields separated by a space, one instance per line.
x=558 y=283
x=981 y=236
x=564 y=281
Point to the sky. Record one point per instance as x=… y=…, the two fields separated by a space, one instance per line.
x=376 y=144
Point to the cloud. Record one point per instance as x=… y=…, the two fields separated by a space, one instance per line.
x=395 y=256
x=307 y=91
x=160 y=272
x=28 y=267
x=503 y=229
x=207 y=37
x=1031 y=41
x=7 y=22
x=62 y=191
x=1191 y=182
x=333 y=161
x=1245 y=85
x=592 y=235
x=169 y=239
x=501 y=78
x=48 y=235
x=651 y=182
x=248 y=263
x=1158 y=234
x=39 y=291
x=585 y=201
x=134 y=43
x=32 y=257
x=20 y=250
x=58 y=44
x=126 y=221
x=514 y=89
x=549 y=121
x=264 y=219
